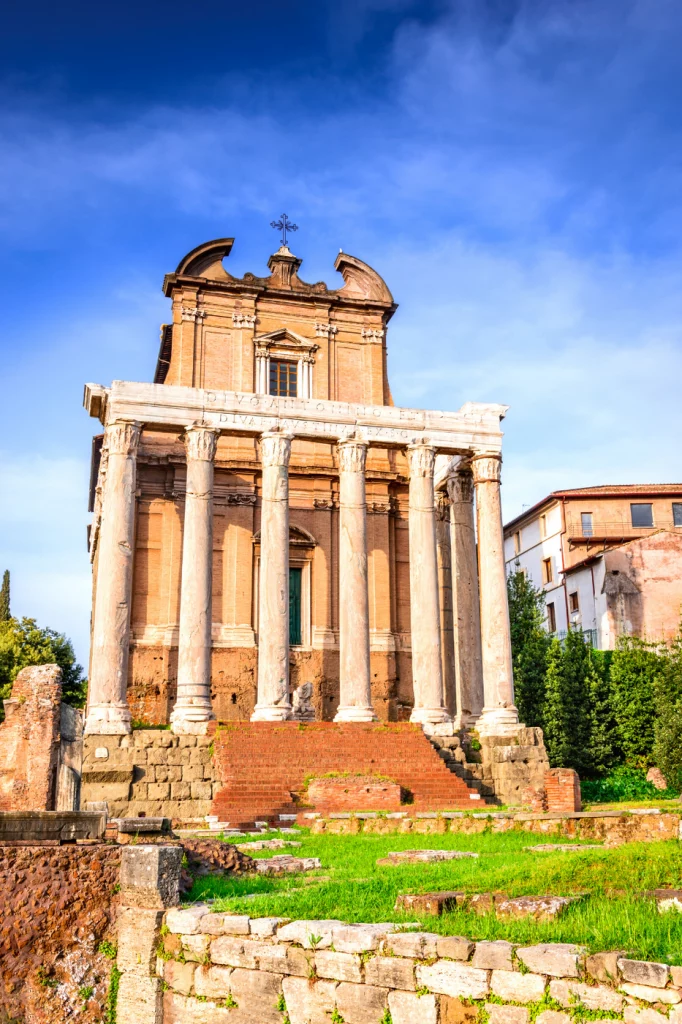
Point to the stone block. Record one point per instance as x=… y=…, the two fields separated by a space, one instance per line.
x=593 y=997
x=431 y=904
x=212 y=982
x=390 y=972
x=457 y=1011
x=603 y=966
x=359 y=938
x=265 y=927
x=195 y=947
x=417 y=944
x=408 y=1008
x=452 y=979
x=539 y=908
x=648 y=994
x=558 y=959
x=187 y=741
x=339 y=966
x=676 y=975
x=200 y=755
x=647 y=1015
x=158 y=791
x=309 y=1003
x=641 y=972
x=137 y=932
x=453 y=947
x=493 y=955
x=553 y=1017
x=301 y=932
x=180 y=791
x=139 y=1000
x=193 y=773
x=178 y=976
x=361 y=1004
x=257 y=994
x=150 y=876
x=225 y=924
x=201 y=790
x=498 y=1014
x=516 y=987
x=235 y=952
x=186 y=921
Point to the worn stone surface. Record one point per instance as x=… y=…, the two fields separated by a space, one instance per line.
x=265 y=927
x=186 y=920
x=453 y=979
x=150 y=876
x=234 y=951
x=518 y=987
x=360 y=938
x=432 y=904
x=594 y=997
x=650 y=994
x=553 y=1017
x=423 y=857
x=340 y=966
x=212 y=982
x=30 y=739
x=507 y=1014
x=493 y=955
x=256 y=994
x=454 y=1010
x=453 y=947
x=361 y=1004
x=226 y=924
x=137 y=931
x=309 y=1003
x=286 y=864
x=301 y=931
x=539 y=908
x=645 y=1015
x=603 y=966
x=390 y=972
x=416 y=944
x=179 y=976
x=407 y=1008
x=139 y=1000
x=559 y=959
x=643 y=973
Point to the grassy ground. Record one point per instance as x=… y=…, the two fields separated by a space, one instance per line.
x=353 y=888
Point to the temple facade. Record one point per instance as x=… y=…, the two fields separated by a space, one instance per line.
x=273 y=537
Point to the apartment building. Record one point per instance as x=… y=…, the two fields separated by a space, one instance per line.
x=609 y=559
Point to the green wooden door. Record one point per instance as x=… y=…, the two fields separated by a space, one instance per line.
x=295 y=606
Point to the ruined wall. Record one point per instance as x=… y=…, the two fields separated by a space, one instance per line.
x=643 y=587
x=29 y=741
x=57 y=905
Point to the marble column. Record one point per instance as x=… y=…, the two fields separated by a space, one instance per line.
x=193 y=710
x=273 y=703
x=427 y=674
x=356 y=698
x=466 y=610
x=499 y=713
x=108 y=711
x=447 y=640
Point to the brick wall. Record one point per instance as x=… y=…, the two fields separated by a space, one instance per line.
x=217 y=967
x=57 y=904
x=562 y=789
x=29 y=741
x=353 y=793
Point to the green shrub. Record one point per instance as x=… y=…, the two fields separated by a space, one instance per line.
x=622 y=783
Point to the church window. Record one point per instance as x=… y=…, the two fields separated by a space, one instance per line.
x=677 y=513
x=295 y=620
x=283 y=378
x=642 y=515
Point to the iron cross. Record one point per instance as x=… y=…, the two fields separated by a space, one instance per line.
x=283 y=225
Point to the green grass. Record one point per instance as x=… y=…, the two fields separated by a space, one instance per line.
x=610 y=917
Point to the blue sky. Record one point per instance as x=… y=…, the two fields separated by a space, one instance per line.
x=513 y=168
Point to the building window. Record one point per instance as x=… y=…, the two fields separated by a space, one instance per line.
x=573 y=602
x=677 y=513
x=642 y=515
x=295 y=617
x=551 y=618
x=283 y=378
x=543 y=527
x=547 y=574
x=587 y=524
x=517 y=541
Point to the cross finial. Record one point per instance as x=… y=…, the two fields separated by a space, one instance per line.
x=283 y=225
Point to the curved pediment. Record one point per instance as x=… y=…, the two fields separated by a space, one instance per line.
x=207 y=259
x=361 y=281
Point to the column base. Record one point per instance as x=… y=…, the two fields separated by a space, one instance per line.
x=498 y=721
x=355 y=713
x=465 y=720
x=430 y=716
x=272 y=713
x=108 y=720
x=192 y=719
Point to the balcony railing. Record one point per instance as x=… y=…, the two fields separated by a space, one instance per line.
x=616 y=530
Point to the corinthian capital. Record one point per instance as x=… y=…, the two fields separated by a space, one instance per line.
x=487 y=468
x=352 y=455
x=201 y=443
x=122 y=437
x=275 y=448
x=421 y=457
x=461 y=486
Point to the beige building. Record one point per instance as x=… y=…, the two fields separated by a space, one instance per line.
x=264 y=518
x=608 y=558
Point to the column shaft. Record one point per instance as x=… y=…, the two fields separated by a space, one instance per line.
x=273 y=704
x=445 y=582
x=499 y=711
x=193 y=709
x=356 y=698
x=466 y=610
x=427 y=674
x=108 y=710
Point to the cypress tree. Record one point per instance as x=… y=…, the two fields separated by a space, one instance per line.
x=530 y=643
x=4 y=597
x=635 y=666
x=554 y=711
x=566 y=711
x=603 y=747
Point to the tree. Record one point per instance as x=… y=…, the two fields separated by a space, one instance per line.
x=604 y=745
x=635 y=666
x=24 y=643
x=4 y=597
x=567 y=703
x=667 y=749
x=530 y=643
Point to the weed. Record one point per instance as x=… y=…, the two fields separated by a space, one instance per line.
x=45 y=979
x=85 y=992
x=336 y=1017
x=314 y=941
x=386 y=1019
x=229 y=1003
x=423 y=991
x=162 y=952
x=107 y=949
x=112 y=996
x=281 y=1004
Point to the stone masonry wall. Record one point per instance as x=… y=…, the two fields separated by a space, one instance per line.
x=57 y=905
x=218 y=968
x=151 y=771
x=29 y=740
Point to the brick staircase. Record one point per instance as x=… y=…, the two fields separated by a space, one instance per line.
x=263 y=765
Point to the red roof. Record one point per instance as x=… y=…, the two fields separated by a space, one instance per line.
x=602 y=491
